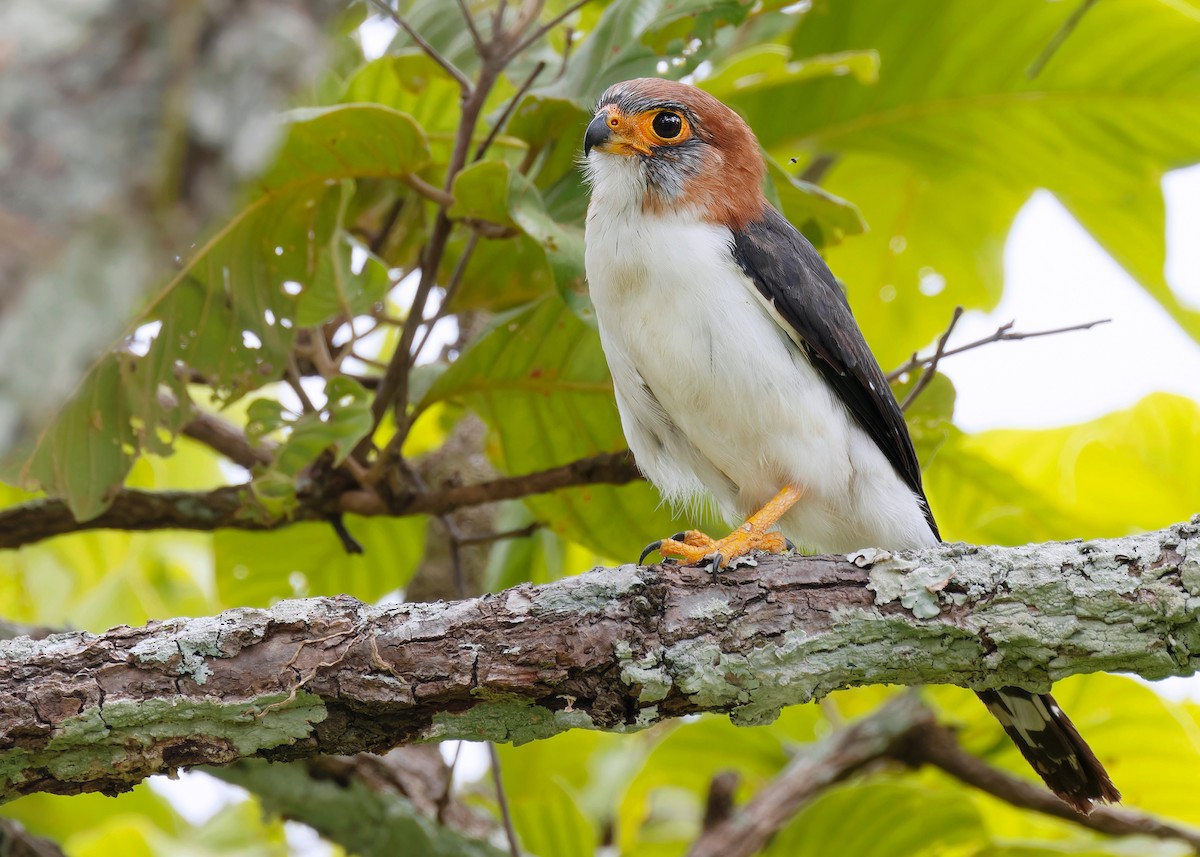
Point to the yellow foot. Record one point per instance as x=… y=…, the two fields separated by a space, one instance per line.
x=697 y=548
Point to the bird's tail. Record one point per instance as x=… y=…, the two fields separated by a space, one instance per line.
x=1052 y=745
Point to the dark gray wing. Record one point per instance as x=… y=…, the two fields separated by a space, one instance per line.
x=790 y=274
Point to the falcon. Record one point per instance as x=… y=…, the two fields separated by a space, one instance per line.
x=741 y=375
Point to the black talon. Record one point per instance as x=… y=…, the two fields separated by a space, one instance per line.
x=715 y=562
x=649 y=549
x=787 y=543
x=678 y=537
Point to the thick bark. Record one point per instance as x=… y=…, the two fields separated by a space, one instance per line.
x=614 y=649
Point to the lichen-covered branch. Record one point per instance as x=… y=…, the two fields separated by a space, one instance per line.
x=615 y=649
x=373 y=806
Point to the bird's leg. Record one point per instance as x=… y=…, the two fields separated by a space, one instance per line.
x=695 y=548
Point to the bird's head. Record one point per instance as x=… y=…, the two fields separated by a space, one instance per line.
x=674 y=148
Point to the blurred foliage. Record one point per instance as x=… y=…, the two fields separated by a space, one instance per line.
x=902 y=139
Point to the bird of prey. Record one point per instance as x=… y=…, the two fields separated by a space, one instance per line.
x=741 y=375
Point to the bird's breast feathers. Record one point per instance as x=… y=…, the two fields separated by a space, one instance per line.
x=715 y=395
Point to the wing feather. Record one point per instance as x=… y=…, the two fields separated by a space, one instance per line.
x=793 y=278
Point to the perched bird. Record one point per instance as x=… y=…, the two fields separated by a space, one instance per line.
x=741 y=375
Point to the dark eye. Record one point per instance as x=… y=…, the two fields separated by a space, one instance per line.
x=667 y=125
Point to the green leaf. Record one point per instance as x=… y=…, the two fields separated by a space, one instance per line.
x=771 y=65
x=551 y=824
x=633 y=35
x=100 y=579
x=1122 y=473
x=539 y=380
x=341 y=424
x=563 y=243
x=227 y=315
x=883 y=819
x=823 y=218
x=481 y=192
x=308 y=559
x=941 y=152
x=337 y=290
x=662 y=809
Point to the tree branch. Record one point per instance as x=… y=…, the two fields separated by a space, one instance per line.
x=831 y=761
x=614 y=649
x=904 y=730
x=1004 y=333
x=936 y=745
x=233 y=507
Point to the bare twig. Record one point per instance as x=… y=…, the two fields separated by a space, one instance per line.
x=718 y=806
x=931 y=369
x=508 y=111
x=487 y=538
x=230 y=507
x=936 y=745
x=1056 y=41
x=451 y=289
x=502 y=801
x=1003 y=333
x=826 y=763
x=498 y=20
x=547 y=27
x=433 y=53
x=292 y=376
x=818 y=168
x=226 y=439
x=425 y=189
x=16 y=841
x=471 y=28
x=394 y=385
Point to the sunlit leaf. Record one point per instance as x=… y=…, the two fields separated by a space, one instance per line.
x=256 y=569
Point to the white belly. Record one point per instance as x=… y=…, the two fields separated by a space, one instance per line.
x=715 y=399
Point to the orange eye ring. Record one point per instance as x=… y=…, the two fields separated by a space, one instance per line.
x=665 y=127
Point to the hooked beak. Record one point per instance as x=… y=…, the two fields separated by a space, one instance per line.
x=597 y=133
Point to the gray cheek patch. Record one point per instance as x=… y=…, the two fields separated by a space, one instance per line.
x=670 y=168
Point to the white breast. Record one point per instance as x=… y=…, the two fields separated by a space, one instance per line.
x=715 y=398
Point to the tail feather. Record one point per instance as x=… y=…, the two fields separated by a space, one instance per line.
x=1052 y=745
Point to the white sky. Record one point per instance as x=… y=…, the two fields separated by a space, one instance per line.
x=1056 y=275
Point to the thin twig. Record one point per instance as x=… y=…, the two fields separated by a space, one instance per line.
x=818 y=168
x=1002 y=334
x=502 y=800
x=498 y=20
x=930 y=370
x=451 y=289
x=292 y=376
x=470 y=20
x=220 y=436
x=433 y=53
x=488 y=538
x=824 y=764
x=936 y=745
x=1056 y=41
x=508 y=111
x=547 y=27
x=425 y=189
x=443 y=801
